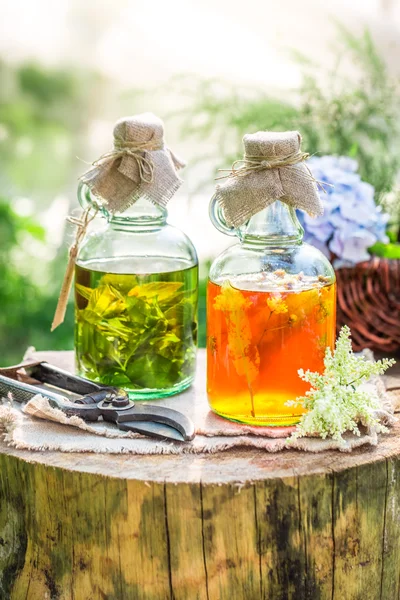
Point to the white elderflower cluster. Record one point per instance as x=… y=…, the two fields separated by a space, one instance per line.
x=336 y=404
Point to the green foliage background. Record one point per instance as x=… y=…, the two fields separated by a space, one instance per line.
x=352 y=110
x=42 y=118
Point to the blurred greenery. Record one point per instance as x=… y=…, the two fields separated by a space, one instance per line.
x=26 y=306
x=42 y=119
x=352 y=110
x=43 y=115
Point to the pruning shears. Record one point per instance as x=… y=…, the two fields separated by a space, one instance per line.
x=78 y=396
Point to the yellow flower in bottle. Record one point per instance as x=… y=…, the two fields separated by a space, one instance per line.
x=243 y=352
x=230 y=299
x=277 y=305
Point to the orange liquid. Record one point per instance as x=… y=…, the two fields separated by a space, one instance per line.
x=256 y=343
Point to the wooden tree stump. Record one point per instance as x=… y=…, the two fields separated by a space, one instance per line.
x=238 y=525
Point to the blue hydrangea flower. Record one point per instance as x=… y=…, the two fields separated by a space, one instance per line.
x=351 y=222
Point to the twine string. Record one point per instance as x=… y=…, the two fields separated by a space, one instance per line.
x=133 y=149
x=252 y=164
x=82 y=223
x=248 y=164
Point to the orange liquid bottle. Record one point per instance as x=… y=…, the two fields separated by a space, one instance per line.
x=271 y=309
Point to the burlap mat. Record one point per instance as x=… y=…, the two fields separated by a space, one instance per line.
x=214 y=434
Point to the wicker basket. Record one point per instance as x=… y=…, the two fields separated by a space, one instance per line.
x=369 y=302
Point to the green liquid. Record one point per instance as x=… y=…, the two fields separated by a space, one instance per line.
x=138 y=332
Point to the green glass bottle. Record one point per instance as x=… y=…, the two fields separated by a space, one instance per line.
x=136 y=293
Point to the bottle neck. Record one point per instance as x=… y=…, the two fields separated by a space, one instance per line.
x=275 y=226
x=143 y=215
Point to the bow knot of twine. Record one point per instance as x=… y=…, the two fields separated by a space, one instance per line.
x=249 y=163
x=135 y=150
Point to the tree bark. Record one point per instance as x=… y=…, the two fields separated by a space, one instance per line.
x=289 y=526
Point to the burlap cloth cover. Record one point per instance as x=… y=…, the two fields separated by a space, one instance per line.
x=214 y=434
x=139 y=166
x=272 y=168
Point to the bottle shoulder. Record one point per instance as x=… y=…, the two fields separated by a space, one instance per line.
x=166 y=243
x=240 y=260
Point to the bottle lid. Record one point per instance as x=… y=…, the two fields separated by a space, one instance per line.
x=139 y=165
x=273 y=168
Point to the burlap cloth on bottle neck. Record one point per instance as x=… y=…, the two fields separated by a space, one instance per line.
x=273 y=168
x=213 y=434
x=139 y=166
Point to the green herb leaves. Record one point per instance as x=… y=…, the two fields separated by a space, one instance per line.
x=136 y=331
